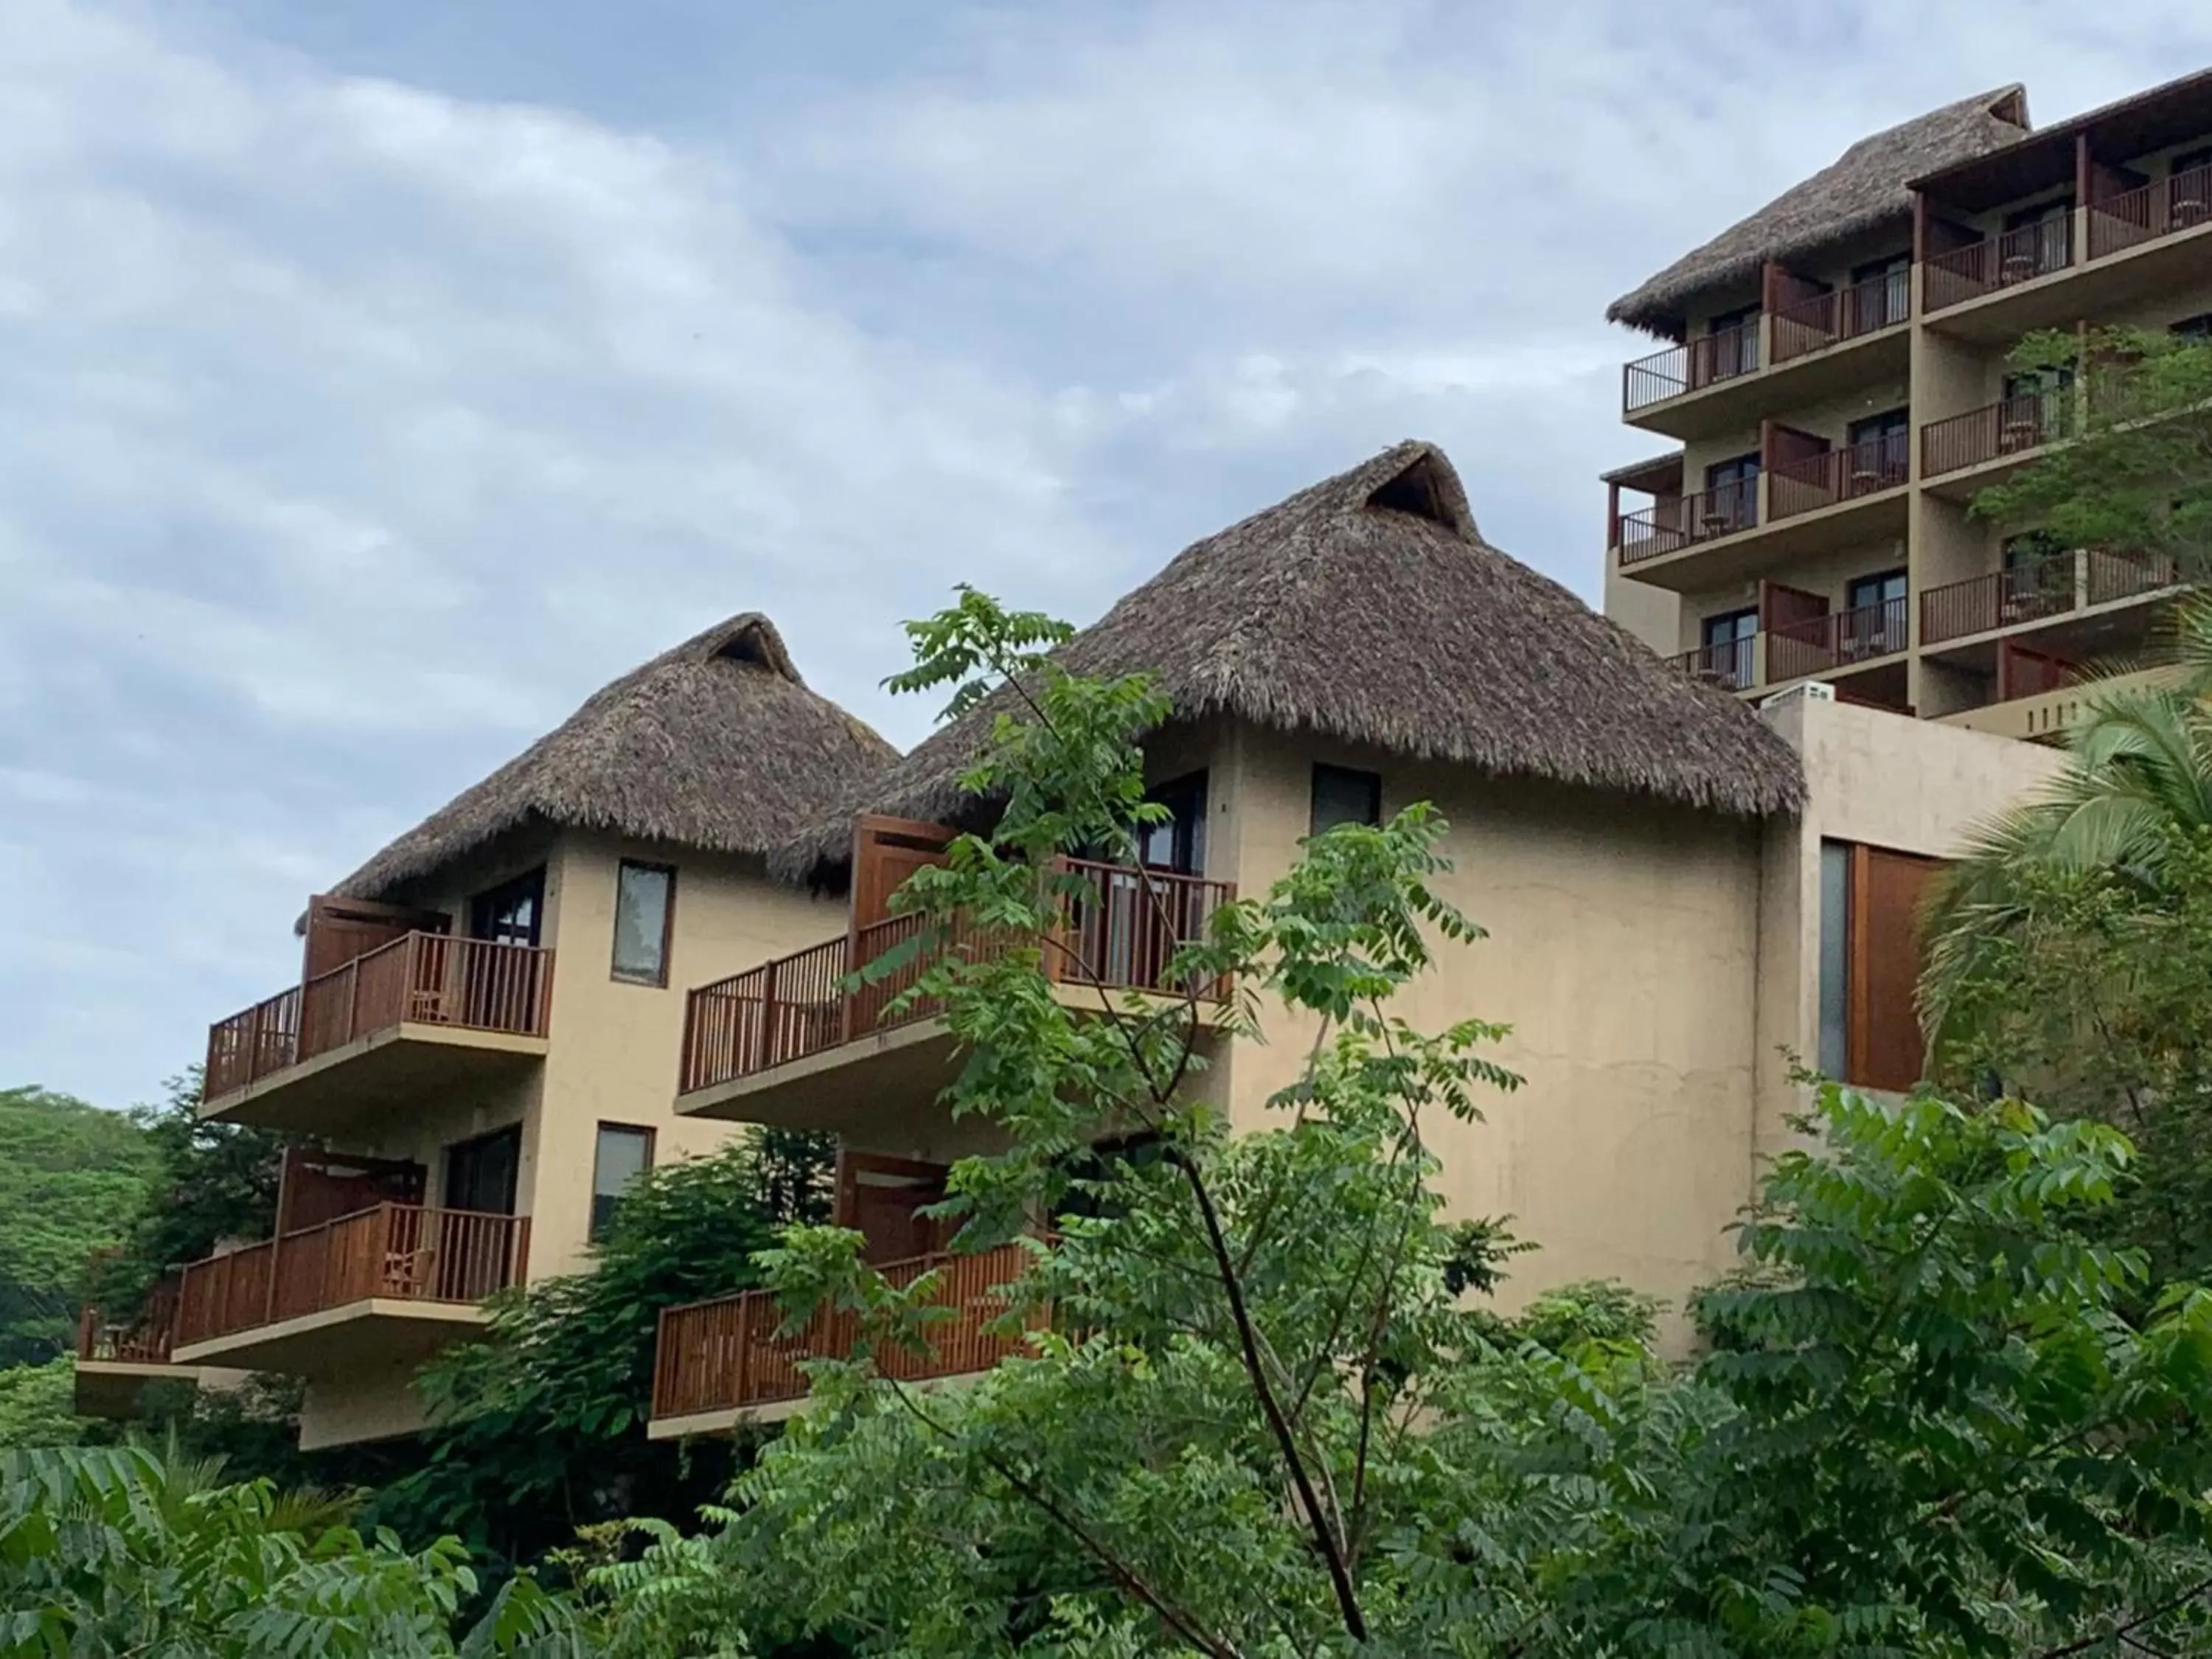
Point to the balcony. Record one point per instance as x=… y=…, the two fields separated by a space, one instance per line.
x=424 y=1011
x=1968 y=452
x=1829 y=644
x=801 y=1041
x=2042 y=712
x=389 y=1283
x=2172 y=206
x=2063 y=585
x=1801 y=350
x=1667 y=527
x=717 y=1364
x=116 y=1364
x=1810 y=484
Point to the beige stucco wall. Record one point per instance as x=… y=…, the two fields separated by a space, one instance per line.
x=379 y=1403
x=1622 y=951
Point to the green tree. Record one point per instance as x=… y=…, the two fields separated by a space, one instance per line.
x=123 y=1551
x=2134 y=473
x=38 y=1405
x=1256 y=1417
x=540 y=1429
x=71 y=1174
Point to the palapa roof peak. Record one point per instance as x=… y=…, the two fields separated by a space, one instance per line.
x=1368 y=608
x=1866 y=187
x=717 y=745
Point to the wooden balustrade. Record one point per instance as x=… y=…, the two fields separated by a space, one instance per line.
x=430 y=978
x=1730 y=664
x=814 y=999
x=1826 y=320
x=1706 y=361
x=1837 y=639
x=2016 y=256
x=728 y=1353
x=2011 y=426
x=2163 y=207
x=2025 y=594
x=406 y=1252
x=1669 y=526
x=2112 y=575
x=1866 y=468
x=146 y=1340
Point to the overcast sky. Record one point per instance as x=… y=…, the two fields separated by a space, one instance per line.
x=379 y=377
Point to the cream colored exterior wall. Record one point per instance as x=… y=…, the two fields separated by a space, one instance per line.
x=611 y=1056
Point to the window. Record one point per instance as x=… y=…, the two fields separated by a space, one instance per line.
x=1341 y=795
x=1880 y=293
x=1724 y=648
x=1881 y=452
x=480 y=1174
x=1730 y=348
x=645 y=918
x=1180 y=843
x=2036 y=239
x=1731 y=495
x=511 y=913
x=624 y=1153
x=1887 y=588
x=1870 y=960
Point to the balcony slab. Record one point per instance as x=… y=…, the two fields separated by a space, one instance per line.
x=357 y=1085
x=374 y=1331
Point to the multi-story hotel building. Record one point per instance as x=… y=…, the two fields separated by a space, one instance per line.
x=1837 y=384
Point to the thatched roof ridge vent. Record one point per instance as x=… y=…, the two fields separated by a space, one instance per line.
x=1367 y=610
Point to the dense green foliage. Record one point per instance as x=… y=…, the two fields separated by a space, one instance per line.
x=1938 y=1414
x=210 y=1182
x=2136 y=473
x=110 y=1552
x=541 y=1428
x=71 y=1177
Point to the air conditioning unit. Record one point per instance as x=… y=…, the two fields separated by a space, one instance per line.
x=1811 y=691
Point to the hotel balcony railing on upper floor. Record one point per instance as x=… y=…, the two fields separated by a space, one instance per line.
x=806 y=1003
x=1669 y=526
x=2005 y=260
x=1813 y=482
x=2054 y=587
x=1847 y=314
x=428 y=979
x=1706 y=361
x=2011 y=426
x=2163 y=207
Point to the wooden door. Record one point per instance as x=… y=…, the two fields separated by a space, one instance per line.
x=340 y=929
x=885 y=852
x=881 y=1198
x=1886 y=1047
x=1795 y=623
x=314 y=1187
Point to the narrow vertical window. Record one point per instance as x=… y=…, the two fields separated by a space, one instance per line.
x=1341 y=795
x=1835 y=989
x=645 y=912
x=624 y=1152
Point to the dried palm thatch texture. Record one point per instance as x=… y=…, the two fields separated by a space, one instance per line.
x=717 y=744
x=1368 y=608
x=1863 y=189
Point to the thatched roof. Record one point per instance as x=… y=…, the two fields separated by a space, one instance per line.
x=1368 y=608
x=1863 y=189
x=717 y=744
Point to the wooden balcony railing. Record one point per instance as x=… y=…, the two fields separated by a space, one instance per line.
x=1841 y=314
x=1866 y=468
x=402 y=1251
x=146 y=1340
x=1704 y=362
x=2163 y=207
x=725 y=1354
x=1669 y=526
x=2011 y=425
x=1839 y=640
x=431 y=979
x=2052 y=587
x=1730 y=664
x=2002 y=261
x=803 y=1004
